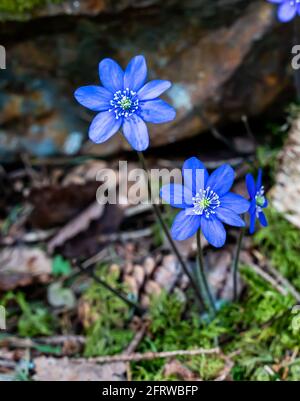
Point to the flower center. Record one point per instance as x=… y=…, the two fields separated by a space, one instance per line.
x=260 y=199
x=205 y=202
x=124 y=103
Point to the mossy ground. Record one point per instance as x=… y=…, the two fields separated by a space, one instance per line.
x=261 y=332
x=19 y=7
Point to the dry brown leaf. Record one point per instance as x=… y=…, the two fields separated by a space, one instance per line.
x=85 y=172
x=220 y=274
x=168 y=273
x=56 y=205
x=175 y=368
x=65 y=369
x=76 y=226
x=20 y=266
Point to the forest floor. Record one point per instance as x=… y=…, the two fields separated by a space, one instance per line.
x=58 y=247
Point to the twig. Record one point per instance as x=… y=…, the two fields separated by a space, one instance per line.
x=138 y=209
x=269 y=279
x=277 y=275
x=126 y=236
x=147 y=356
x=210 y=164
x=215 y=131
x=285 y=282
x=16 y=342
x=137 y=339
x=248 y=129
x=100 y=256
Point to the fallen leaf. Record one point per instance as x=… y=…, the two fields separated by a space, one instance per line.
x=20 y=266
x=55 y=205
x=60 y=266
x=77 y=225
x=177 y=369
x=84 y=173
x=65 y=369
x=220 y=274
x=61 y=297
x=91 y=241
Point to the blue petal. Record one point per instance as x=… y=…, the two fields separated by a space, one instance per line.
x=262 y=219
x=221 y=180
x=176 y=195
x=135 y=73
x=250 y=185
x=185 y=226
x=252 y=223
x=95 y=98
x=286 y=11
x=104 y=126
x=214 y=231
x=259 y=180
x=157 y=111
x=252 y=209
x=136 y=132
x=235 y=202
x=194 y=174
x=111 y=75
x=266 y=203
x=153 y=89
x=229 y=217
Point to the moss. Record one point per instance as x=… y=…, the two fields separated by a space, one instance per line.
x=108 y=333
x=18 y=7
x=280 y=243
x=35 y=318
x=259 y=333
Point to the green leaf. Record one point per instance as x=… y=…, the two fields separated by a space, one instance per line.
x=60 y=266
x=48 y=349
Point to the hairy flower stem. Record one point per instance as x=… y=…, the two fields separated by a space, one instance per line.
x=165 y=229
x=138 y=309
x=236 y=264
x=202 y=281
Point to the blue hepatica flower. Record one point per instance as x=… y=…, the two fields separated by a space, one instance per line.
x=126 y=101
x=258 y=201
x=287 y=9
x=206 y=202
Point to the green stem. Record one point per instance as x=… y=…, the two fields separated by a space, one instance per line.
x=140 y=311
x=236 y=264
x=203 y=284
x=165 y=229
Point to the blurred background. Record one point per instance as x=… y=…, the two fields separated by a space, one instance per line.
x=233 y=89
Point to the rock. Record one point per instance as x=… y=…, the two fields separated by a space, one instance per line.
x=229 y=58
x=286 y=192
x=89 y=7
